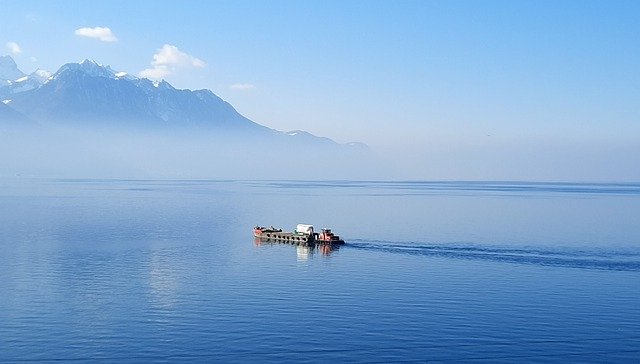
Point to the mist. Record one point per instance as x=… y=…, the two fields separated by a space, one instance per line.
x=176 y=154
x=73 y=152
x=518 y=159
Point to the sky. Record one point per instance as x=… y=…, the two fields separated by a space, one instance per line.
x=545 y=90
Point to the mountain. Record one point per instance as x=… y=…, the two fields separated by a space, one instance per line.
x=93 y=96
x=10 y=116
x=90 y=120
x=13 y=81
x=9 y=69
x=25 y=83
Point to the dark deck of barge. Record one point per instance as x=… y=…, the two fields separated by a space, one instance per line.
x=290 y=238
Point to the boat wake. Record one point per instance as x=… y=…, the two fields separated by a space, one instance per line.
x=600 y=259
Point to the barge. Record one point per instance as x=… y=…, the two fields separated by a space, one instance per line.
x=302 y=235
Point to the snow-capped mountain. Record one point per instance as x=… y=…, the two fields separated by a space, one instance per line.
x=88 y=119
x=26 y=83
x=89 y=94
x=40 y=75
x=13 y=80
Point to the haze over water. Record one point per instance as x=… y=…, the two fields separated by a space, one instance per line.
x=168 y=270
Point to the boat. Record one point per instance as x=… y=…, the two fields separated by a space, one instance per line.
x=302 y=235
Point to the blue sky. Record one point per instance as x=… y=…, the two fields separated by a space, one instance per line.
x=447 y=83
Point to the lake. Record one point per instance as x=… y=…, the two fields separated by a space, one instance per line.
x=169 y=271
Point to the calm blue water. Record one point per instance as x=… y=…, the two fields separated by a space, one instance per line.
x=168 y=271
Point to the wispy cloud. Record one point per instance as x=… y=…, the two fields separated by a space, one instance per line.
x=14 y=48
x=168 y=60
x=242 y=86
x=102 y=33
x=155 y=73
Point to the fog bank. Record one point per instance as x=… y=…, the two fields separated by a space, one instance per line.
x=84 y=153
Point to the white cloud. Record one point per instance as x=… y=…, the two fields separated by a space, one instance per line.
x=167 y=60
x=171 y=55
x=155 y=73
x=14 y=48
x=242 y=86
x=103 y=33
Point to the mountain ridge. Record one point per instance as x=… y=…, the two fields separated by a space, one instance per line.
x=13 y=80
x=9 y=69
x=92 y=95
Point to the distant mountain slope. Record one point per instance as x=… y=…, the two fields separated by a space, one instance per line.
x=88 y=93
x=9 y=69
x=13 y=81
x=93 y=96
x=9 y=115
x=89 y=120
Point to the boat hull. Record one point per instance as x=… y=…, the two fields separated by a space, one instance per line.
x=293 y=238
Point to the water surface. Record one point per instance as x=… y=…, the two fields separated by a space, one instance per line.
x=168 y=271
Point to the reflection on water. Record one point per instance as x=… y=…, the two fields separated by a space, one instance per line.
x=303 y=252
x=327 y=249
x=163 y=274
